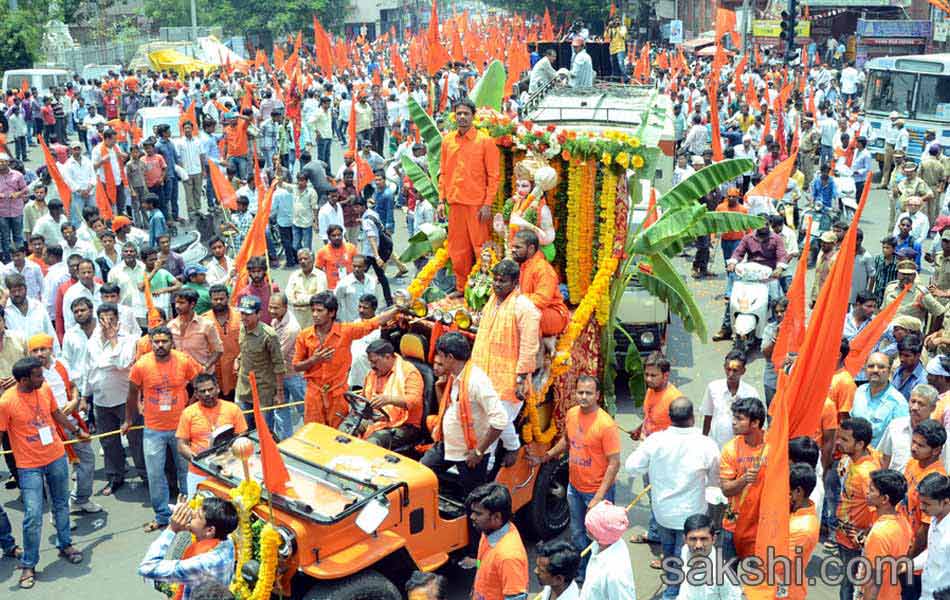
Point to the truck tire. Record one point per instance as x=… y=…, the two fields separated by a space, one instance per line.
x=367 y=585
x=548 y=514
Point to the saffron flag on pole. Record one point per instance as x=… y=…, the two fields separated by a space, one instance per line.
x=726 y=23
x=103 y=203
x=255 y=242
x=775 y=183
x=62 y=188
x=792 y=330
x=322 y=48
x=154 y=318
x=223 y=189
x=437 y=56
x=863 y=343
x=276 y=477
x=547 y=30
x=716 y=143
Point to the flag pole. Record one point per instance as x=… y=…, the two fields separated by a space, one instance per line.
x=633 y=503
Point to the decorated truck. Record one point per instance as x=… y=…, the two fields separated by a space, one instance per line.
x=361 y=518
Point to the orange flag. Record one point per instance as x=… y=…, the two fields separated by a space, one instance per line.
x=774 y=184
x=276 y=478
x=547 y=30
x=223 y=189
x=863 y=343
x=322 y=48
x=102 y=201
x=255 y=243
x=651 y=216
x=153 y=317
x=792 y=330
x=437 y=56
x=713 y=90
x=399 y=68
x=726 y=23
x=758 y=57
x=458 y=54
x=65 y=194
x=766 y=125
x=188 y=117
x=613 y=9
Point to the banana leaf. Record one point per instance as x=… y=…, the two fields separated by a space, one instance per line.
x=724 y=222
x=421 y=181
x=430 y=136
x=633 y=365
x=702 y=182
x=672 y=226
x=423 y=241
x=665 y=284
x=489 y=90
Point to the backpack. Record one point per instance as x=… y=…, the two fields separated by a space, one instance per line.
x=385 y=242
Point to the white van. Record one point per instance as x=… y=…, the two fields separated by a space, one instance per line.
x=44 y=80
x=147 y=118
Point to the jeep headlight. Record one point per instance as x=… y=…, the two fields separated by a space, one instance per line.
x=204 y=494
x=288 y=541
x=647 y=338
x=463 y=319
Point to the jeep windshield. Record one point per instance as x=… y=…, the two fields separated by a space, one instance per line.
x=323 y=493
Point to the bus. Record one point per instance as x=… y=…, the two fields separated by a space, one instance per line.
x=917 y=87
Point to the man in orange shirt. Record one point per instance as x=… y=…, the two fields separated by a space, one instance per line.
x=322 y=354
x=468 y=180
x=502 y=560
x=199 y=423
x=843 y=387
x=889 y=537
x=592 y=442
x=854 y=514
x=393 y=386
x=739 y=467
x=227 y=320
x=660 y=393
x=160 y=377
x=803 y=528
x=236 y=144
x=539 y=282
x=731 y=239
x=28 y=414
x=336 y=257
x=926 y=446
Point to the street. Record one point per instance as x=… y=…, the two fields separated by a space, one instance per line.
x=113 y=542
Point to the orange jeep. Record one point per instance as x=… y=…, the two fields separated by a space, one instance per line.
x=361 y=518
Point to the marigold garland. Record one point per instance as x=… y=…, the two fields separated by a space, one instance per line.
x=586 y=223
x=608 y=200
x=572 y=231
x=270 y=542
x=531 y=431
x=244 y=497
x=425 y=276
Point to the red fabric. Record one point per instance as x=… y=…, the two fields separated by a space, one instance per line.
x=792 y=330
x=223 y=189
x=437 y=56
x=276 y=477
x=863 y=343
x=65 y=194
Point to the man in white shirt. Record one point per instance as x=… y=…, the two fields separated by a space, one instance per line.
x=26 y=316
x=719 y=396
x=330 y=213
x=302 y=285
x=86 y=287
x=80 y=176
x=543 y=71
x=919 y=223
x=700 y=552
x=895 y=443
x=849 y=82
x=50 y=225
x=352 y=287
x=681 y=463
x=934 y=493
x=129 y=275
x=191 y=157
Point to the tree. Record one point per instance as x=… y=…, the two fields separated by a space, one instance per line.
x=21 y=35
x=288 y=16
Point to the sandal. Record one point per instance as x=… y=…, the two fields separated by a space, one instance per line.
x=151 y=526
x=656 y=563
x=14 y=552
x=27 y=581
x=641 y=538
x=110 y=488
x=71 y=554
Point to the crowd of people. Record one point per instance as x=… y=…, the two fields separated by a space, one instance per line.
x=104 y=328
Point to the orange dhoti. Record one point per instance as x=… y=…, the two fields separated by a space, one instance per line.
x=324 y=403
x=553 y=320
x=466 y=236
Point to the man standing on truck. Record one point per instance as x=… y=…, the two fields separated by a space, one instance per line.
x=468 y=178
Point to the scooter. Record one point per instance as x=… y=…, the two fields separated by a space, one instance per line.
x=847 y=192
x=749 y=304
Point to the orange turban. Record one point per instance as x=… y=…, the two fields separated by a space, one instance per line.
x=40 y=340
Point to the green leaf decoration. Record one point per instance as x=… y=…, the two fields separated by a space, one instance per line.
x=697 y=185
x=489 y=90
x=430 y=136
x=665 y=283
x=724 y=222
x=671 y=227
x=633 y=365
x=423 y=241
x=421 y=181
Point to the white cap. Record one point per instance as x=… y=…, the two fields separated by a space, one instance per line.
x=5 y=156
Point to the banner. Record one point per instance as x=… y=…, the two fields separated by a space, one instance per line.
x=772 y=28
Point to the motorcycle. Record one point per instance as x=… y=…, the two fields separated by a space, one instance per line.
x=749 y=304
x=822 y=218
x=847 y=192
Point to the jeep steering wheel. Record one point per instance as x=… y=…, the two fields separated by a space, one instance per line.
x=362 y=407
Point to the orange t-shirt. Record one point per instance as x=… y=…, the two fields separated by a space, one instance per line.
x=235 y=139
x=829 y=420
x=28 y=418
x=44 y=268
x=132 y=83
x=736 y=458
x=803 y=530
x=853 y=508
x=732 y=236
x=591 y=439
x=502 y=569
x=197 y=424
x=163 y=387
x=890 y=536
x=943 y=403
x=332 y=260
x=914 y=474
x=842 y=390
x=656 y=409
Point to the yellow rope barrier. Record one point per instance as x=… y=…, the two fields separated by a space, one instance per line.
x=99 y=436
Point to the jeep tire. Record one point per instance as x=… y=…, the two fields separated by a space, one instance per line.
x=548 y=514
x=366 y=585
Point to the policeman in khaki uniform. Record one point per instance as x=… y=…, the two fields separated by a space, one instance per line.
x=940 y=280
x=919 y=301
x=910 y=186
x=808 y=147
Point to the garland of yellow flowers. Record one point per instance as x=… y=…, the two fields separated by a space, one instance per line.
x=572 y=230
x=586 y=222
x=270 y=541
x=424 y=277
x=608 y=199
x=531 y=431
x=244 y=497
x=478 y=262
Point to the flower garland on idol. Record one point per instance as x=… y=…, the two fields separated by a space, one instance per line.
x=608 y=202
x=425 y=276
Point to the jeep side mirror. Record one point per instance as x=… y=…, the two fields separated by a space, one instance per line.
x=373 y=514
